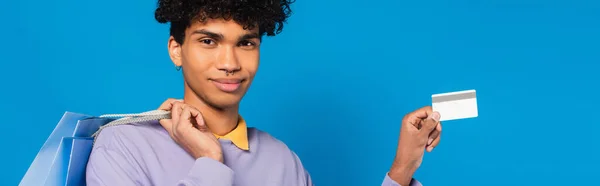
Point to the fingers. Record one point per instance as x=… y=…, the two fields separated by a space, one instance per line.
x=168 y=105
x=185 y=116
x=415 y=118
x=199 y=120
x=182 y=116
x=434 y=138
x=176 y=111
x=422 y=113
x=191 y=116
x=414 y=123
x=434 y=134
x=175 y=115
x=433 y=145
x=200 y=124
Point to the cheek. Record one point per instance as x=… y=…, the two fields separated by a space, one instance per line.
x=197 y=63
x=251 y=62
x=199 y=59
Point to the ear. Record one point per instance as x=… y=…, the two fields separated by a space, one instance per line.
x=174 y=51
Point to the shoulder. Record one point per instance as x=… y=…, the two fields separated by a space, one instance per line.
x=130 y=135
x=269 y=143
x=266 y=140
x=279 y=154
x=126 y=151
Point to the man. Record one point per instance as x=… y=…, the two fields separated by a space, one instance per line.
x=206 y=143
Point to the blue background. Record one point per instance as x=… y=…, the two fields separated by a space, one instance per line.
x=336 y=83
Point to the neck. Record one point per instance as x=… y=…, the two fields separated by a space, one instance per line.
x=219 y=121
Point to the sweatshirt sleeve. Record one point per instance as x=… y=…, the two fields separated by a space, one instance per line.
x=207 y=171
x=387 y=181
x=116 y=160
x=108 y=167
x=303 y=176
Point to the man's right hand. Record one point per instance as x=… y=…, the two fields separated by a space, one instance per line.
x=420 y=131
x=188 y=129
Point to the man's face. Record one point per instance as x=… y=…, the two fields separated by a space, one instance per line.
x=219 y=60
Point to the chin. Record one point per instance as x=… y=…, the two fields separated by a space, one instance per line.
x=216 y=98
x=225 y=101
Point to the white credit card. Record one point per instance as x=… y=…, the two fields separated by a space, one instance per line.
x=455 y=105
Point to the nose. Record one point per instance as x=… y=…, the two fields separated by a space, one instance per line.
x=228 y=61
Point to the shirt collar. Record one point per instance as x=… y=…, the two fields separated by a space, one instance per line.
x=239 y=135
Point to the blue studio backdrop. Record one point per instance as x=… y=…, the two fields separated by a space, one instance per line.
x=336 y=83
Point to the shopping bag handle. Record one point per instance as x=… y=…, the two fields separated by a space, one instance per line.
x=132 y=118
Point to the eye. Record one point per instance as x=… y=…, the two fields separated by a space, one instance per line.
x=207 y=41
x=247 y=44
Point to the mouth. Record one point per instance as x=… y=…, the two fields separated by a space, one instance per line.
x=228 y=84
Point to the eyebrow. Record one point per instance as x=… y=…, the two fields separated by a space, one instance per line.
x=209 y=34
x=219 y=36
x=249 y=36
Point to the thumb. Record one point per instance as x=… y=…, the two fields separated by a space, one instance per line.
x=430 y=123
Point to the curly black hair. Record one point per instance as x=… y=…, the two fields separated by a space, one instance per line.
x=268 y=15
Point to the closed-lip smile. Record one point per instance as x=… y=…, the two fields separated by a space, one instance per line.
x=227 y=84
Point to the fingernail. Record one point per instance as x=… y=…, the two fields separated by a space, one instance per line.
x=430 y=148
x=429 y=142
x=435 y=116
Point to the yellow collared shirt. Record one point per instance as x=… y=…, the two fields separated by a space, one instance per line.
x=239 y=135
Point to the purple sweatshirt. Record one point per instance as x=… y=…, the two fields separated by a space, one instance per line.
x=144 y=154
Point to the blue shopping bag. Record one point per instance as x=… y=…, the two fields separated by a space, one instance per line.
x=80 y=153
x=64 y=156
x=70 y=162
x=73 y=152
x=41 y=166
